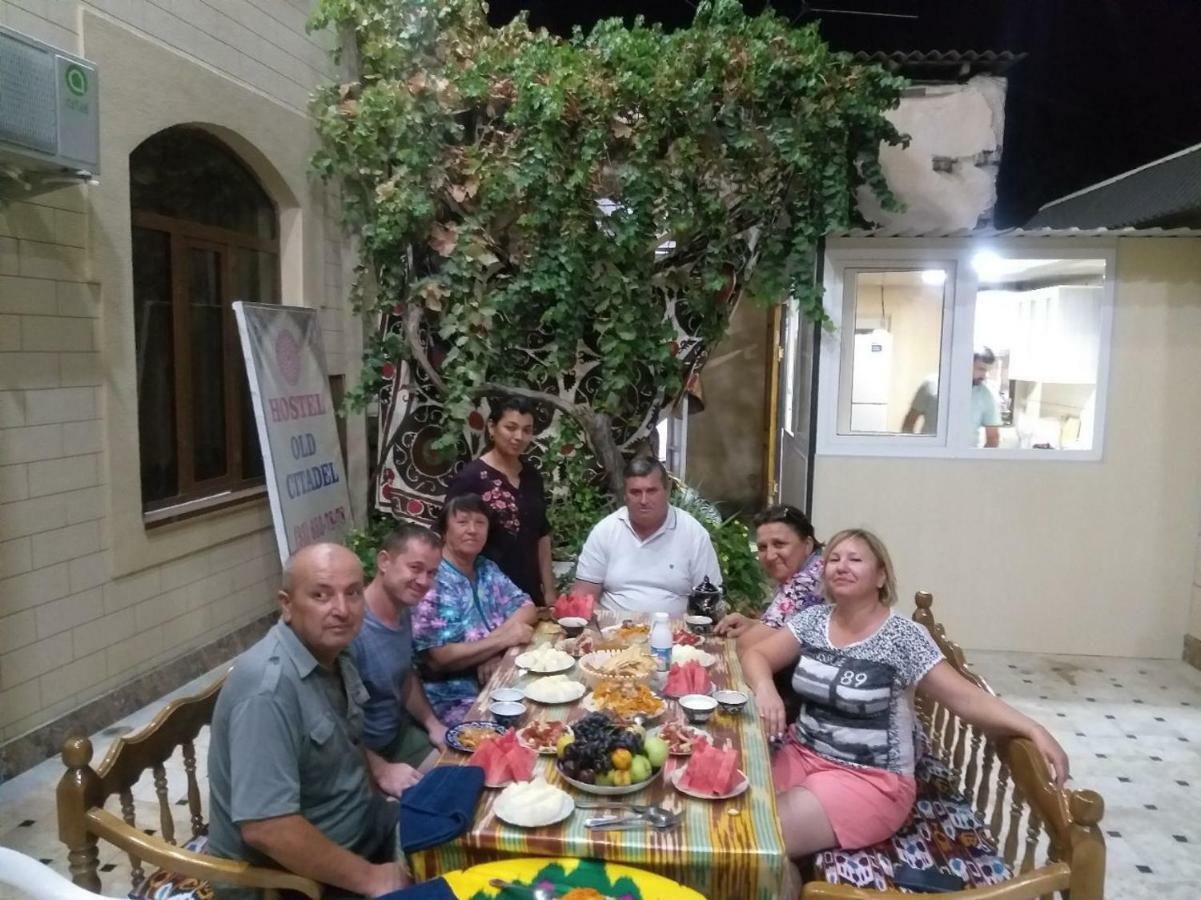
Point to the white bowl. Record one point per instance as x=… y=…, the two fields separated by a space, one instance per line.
x=507 y=695
x=507 y=713
x=697 y=708
x=731 y=702
x=573 y=626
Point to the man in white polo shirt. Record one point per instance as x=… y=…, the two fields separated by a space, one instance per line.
x=649 y=555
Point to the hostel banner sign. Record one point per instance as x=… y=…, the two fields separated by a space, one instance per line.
x=306 y=480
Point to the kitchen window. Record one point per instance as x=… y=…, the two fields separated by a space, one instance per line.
x=966 y=350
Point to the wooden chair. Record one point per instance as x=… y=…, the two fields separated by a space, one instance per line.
x=83 y=820
x=1009 y=785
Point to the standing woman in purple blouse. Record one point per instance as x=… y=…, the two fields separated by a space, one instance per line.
x=512 y=488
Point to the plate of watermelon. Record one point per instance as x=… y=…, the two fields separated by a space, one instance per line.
x=711 y=774
x=504 y=760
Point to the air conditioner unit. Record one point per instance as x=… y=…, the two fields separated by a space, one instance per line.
x=49 y=112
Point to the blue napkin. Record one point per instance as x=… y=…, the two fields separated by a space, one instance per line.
x=437 y=889
x=440 y=807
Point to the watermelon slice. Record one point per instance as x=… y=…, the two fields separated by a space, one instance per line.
x=504 y=760
x=710 y=770
x=686 y=678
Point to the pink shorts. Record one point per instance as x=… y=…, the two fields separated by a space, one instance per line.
x=863 y=805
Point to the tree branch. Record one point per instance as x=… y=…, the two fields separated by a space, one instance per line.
x=494 y=387
x=412 y=323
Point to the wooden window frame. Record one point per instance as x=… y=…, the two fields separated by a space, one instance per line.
x=183 y=236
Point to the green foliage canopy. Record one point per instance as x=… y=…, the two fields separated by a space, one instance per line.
x=474 y=163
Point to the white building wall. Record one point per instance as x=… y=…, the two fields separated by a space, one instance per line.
x=947 y=176
x=89 y=598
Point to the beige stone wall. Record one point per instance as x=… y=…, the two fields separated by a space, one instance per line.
x=727 y=441
x=89 y=597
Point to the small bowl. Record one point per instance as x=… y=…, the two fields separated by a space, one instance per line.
x=731 y=702
x=697 y=707
x=573 y=626
x=507 y=695
x=507 y=712
x=699 y=624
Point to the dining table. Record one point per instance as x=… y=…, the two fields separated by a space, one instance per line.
x=727 y=848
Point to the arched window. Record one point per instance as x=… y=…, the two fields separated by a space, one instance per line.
x=205 y=234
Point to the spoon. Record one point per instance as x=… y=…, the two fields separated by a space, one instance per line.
x=655 y=816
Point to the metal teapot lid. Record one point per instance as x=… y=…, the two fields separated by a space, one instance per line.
x=706 y=588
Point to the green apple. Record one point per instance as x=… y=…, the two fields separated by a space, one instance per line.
x=564 y=740
x=656 y=751
x=640 y=769
x=604 y=779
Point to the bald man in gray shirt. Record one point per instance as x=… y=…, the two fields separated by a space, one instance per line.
x=289 y=785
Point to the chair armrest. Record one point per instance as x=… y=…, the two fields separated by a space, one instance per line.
x=159 y=853
x=1030 y=886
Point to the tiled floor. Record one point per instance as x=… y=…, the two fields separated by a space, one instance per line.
x=1132 y=728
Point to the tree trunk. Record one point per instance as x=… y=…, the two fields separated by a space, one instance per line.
x=599 y=429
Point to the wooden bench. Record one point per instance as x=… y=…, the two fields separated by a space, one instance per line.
x=1049 y=839
x=83 y=821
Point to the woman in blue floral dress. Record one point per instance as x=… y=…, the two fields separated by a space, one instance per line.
x=471 y=615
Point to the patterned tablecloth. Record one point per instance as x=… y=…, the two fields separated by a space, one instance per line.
x=723 y=849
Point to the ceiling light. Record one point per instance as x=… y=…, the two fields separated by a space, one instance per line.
x=988 y=265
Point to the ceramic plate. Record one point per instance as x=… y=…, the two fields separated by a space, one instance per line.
x=452 y=736
x=739 y=788
x=523 y=659
x=535 y=691
x=514 y=817
x=590 y=704
x=691 y=730
x=608 y=791
x=538 y=748
x=564 y=874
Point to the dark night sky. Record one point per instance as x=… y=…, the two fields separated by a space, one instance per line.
x=1108 y=84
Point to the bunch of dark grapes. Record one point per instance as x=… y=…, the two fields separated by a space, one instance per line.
x=596 y=737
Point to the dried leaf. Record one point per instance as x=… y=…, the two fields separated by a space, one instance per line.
x=349 y=108
x=442 y=239
x=481 y=254
x=431 y=294
x=385 y=191
x=459 y=193
x=621 y=128
x=418 y=83
x=346 y=89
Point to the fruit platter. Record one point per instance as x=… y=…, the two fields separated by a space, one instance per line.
x=504 y=760
x=603 y=756
x=687 y=678
x=533 y=804
x=543 y=737
x=577 y=646
x=686 y=638
x=680 y=737
x=711 y=773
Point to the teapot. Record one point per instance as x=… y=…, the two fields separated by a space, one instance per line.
x=704 y=599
